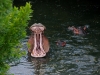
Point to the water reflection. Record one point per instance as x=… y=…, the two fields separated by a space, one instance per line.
x=38 y=64
x=80 y=55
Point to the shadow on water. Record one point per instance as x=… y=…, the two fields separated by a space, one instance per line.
x=80 y=56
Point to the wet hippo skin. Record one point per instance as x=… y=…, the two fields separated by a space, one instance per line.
x=78 y=30
x=61 y=43
x=38 y=43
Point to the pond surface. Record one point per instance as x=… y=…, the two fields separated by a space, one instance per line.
x=80 y=56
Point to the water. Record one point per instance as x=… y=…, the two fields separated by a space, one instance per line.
x=80 y=56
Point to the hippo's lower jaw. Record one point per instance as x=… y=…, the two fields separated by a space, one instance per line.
x=36 y=54
x=38 y=50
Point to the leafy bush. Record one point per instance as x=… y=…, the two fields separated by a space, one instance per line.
x=13 y=23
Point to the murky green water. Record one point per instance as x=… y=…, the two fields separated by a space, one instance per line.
x=80 y=56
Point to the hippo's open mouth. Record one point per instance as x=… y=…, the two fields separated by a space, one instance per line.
x=38 y=50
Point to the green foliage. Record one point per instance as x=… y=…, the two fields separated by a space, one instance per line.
x=13 y=23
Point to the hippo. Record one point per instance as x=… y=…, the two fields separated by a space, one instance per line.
x=38 y=42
